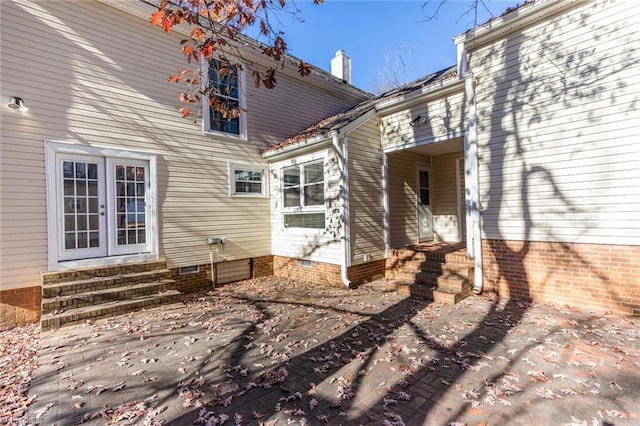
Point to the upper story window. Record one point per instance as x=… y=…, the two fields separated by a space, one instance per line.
x=303 y=195
x=247 y=180
x=225 y=115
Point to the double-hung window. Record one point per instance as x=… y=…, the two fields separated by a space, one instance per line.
x=246 y=180
x=303 y=195
x=224 y=105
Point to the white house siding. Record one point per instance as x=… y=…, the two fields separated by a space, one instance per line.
x=366 y=205
x=558 y=128
x=95 y=75
x=446 y=223
x=444 y=120
x=321 y=245
x=403 y=222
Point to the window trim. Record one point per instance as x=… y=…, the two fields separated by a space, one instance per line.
x=242 y=102
x=300 y=162
x=233 y=166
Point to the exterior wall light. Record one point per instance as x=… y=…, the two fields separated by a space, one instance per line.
x=418 y=120
x=18 y=103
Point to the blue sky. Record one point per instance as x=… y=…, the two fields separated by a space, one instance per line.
x=368 y=29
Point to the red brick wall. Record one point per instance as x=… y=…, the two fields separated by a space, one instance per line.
x=590 y=276
x=319 y=272
x=20 y=306
x=262 y=266
x=366 y=272
x=326 y=273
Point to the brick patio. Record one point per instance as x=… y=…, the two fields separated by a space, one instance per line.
x=275 y=351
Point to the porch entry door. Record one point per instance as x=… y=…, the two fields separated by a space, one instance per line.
x=425 y=215
x=101 y=206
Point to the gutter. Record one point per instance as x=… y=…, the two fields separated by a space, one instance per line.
x=313 y=142
x=527 y=14
x=429 y=91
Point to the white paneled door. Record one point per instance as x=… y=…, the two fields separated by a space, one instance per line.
x=101 y=206
x=423 y=201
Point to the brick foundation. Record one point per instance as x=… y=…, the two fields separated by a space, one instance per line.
x=318 y=272
x=192 y=282
x=366 y=272
x=262 y=266
x=590 y=276
x=326 y=273
x=20 y=306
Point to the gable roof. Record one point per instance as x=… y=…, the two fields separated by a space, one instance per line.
x=336 y=122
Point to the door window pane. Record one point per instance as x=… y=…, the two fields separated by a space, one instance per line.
x=94 y=239
x=130 y=204
x=81 y=170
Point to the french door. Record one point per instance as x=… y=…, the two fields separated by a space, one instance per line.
x=101 y=205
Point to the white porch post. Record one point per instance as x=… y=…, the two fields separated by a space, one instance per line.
x=472 y=185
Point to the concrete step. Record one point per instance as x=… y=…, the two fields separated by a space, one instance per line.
x=66 y=288
x=75 y=316
x=101 y=271
x=98 y=296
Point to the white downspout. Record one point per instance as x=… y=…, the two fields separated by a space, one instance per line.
x=472 y=183
x=343 y=196
x=385 y=204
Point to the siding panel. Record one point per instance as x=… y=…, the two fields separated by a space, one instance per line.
x=558 y=117
x=445 y=119
x=366 y=193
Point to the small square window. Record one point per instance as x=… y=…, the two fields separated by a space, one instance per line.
x=246 y=180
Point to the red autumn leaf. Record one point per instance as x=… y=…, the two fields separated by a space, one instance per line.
x=206 y=51
x=197 y=33
x=157 y=17
x=185 y=112
x=167 y=24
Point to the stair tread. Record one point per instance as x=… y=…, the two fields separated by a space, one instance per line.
x=105 y=278
x=108 y=290
x=111 y=304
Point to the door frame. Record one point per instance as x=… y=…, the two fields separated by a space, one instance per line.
x=424 y=167
x=52 y=149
